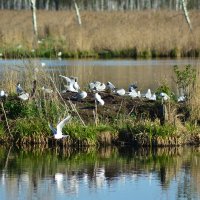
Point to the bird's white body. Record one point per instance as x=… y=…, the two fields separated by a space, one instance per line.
x=148 y=94
x=164 y=96
x=3 y=94
x=80 y=95
x=43 y=64
x=133 y=93
x=97 y=86
x=153 y=97
x=139 y=94
x=99 y=99
x=120 y=92
x=132 y=87
x=59 y=54
x=24 y=96
x=72 y=84
x=19 y=89
x=110 y=86
x=57 y=133
x=181 y=98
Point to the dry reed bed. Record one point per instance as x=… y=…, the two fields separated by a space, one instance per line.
x=161 y=31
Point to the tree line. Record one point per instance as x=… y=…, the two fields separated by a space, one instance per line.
x=100 y=5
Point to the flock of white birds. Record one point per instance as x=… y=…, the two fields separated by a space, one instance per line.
x=95 y=87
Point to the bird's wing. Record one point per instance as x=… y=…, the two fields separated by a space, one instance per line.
x=24 y=97
x=62 y=123
x=67 y=79
x=52 y=129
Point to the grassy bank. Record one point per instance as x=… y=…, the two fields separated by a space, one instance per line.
x=121 y=121
x=142 y=34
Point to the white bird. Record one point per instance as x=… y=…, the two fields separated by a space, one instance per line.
x=80 y=95
x=120 y=92
x=57 y=133
x=99 y=99
x=59 y=54
x=3 y=94
x=148 y=94
x=19 y=89
x=153 y=97
x=43 y=64
x=72 y=84
x=97 y=86
x=139 y=94
x=24 y=96
x=110 y=86
x=164 y=96
x=133 y=93
x=132 y=86
x=93 y=85
x=181 y=98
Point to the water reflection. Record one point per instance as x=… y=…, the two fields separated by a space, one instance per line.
x=40 y=173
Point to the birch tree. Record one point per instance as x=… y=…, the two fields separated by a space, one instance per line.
x=186 y=14
x=77 y=13
x=34 y=21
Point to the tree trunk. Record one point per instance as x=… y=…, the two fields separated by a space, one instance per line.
x=186 y=14
x=33 y=8
x=77 y=13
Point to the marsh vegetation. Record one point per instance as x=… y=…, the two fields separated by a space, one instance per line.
x=143 y=34
x=121 y=121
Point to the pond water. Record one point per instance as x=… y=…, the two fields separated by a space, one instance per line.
x=105 y=173
x=146 y=73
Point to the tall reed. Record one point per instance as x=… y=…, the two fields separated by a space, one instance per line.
x=143 y=33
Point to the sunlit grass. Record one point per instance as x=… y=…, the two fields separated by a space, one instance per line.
x=144 y=34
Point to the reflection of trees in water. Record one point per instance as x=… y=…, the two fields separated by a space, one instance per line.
x=64 y=170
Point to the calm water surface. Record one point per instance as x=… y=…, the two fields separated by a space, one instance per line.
x=146 y=73
x=107 y=173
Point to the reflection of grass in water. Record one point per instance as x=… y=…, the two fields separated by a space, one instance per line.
x=40 y=163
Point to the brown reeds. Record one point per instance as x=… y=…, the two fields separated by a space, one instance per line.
x=148 y=32
x=194 y=101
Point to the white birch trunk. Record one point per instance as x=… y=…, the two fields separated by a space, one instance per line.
x=77 y=13
x=186 y=14
x=33 y=8
x=177 y=5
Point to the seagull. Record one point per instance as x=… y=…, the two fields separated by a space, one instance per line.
x=132 y=86
x=148 y=94
x=19 y=89
x=164 y=96
x=110 y=86
x=24 y=96
x=21 y=93
x=99 y=99
x=120 y=92
x=72 y=84
x=3 y=94
x=80 y=95
x=153 y=97
x=57 y=133
x=133 y=93
x=97 y=86
x=43 y=64
x=59 y=54
x=182 y=98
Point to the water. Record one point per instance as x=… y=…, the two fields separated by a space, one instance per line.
x=146 y=73
x=107 y=173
